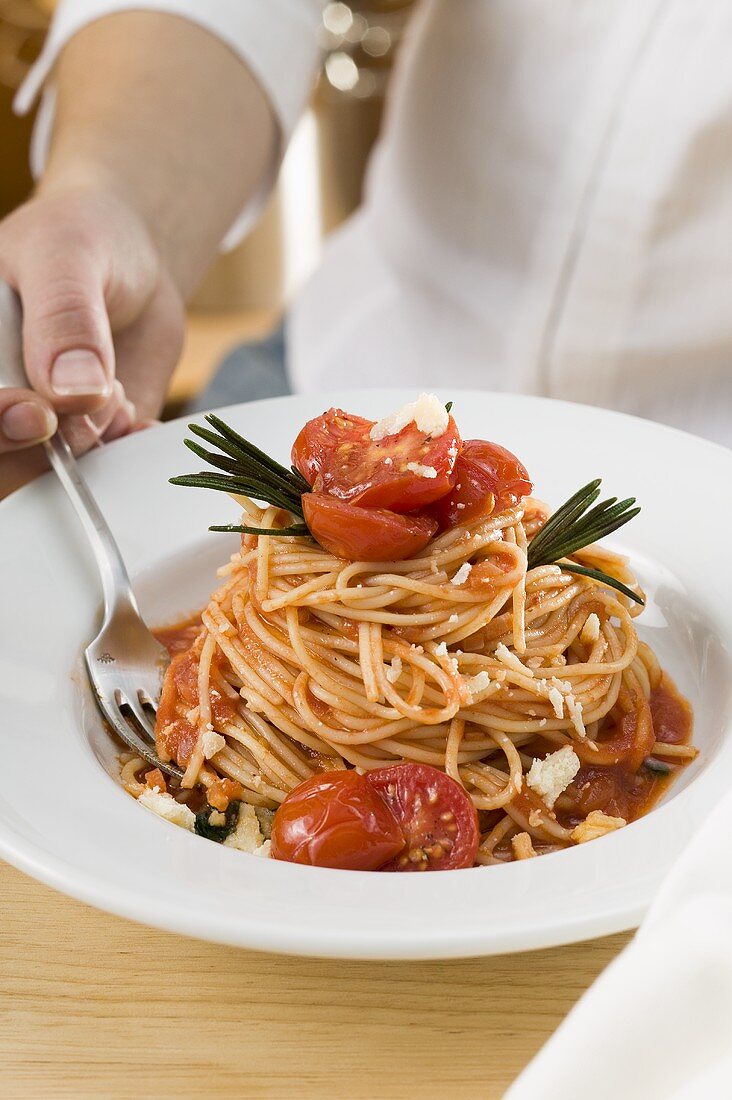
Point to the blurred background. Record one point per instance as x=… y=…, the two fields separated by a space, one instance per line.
x=321 y=182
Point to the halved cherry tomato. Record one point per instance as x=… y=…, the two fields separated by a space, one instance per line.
x=438 y=819
x=335 y=454
x=487 y=476
x=336 y=819
x=365 y=534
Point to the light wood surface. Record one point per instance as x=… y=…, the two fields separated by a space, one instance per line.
x=94 y=1006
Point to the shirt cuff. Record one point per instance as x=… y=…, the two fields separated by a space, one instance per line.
x=276 y=39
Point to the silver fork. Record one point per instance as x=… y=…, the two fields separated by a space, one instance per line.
x=125 y=662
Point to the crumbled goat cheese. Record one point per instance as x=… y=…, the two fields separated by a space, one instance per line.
x=551 y=776
x=591 y=629
x=427 y=412
x=479 y=682
x=422 y=471
x=247 y=836
x=575 y=713
x=211 y=743
x=506 y=657
x=394 y=670
x=462 y=574
x=596 y=824
x=165 y=806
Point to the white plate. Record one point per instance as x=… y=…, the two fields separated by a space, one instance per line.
x=65 y=820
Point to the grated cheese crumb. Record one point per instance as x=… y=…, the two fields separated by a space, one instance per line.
x=211 y=743
x=591 y=630
x=522 y=846
x=394 y=670
x=557 y=701
x=441 y=650
x=506 y=657
x=462 y=574
x=427 y=412
x=165 y=806
x=422 y=471
x=575 y=713
x=479 y=682
x=388 y=461
x=552 y=775
x=453 y=618
x=596 y=824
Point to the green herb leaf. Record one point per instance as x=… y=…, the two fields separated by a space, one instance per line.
x=603 y=578
x=576 y=525
x=294 y=529
x=241 y=468
x=219 y=833
x=657 y=767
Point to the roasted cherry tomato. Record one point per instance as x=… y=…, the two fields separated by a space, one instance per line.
x=402 y=472
x=487 y=476
x=438 y=819
x=365 y=534
x=336 y=819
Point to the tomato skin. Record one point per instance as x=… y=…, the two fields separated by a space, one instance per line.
x=336 y=819
x=335 y=454
x=421 y=797
x=321 y=436
x=365 y=534
x=487 y=476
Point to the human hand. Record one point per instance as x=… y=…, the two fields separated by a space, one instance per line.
x=103 y=325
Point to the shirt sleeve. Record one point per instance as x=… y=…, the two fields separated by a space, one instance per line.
x=276 y=39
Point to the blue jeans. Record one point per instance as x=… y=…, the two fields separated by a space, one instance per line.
x=246 y=374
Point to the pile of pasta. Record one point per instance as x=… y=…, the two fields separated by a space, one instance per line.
x=460 y=658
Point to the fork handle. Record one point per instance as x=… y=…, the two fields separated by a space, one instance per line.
x=115 y=581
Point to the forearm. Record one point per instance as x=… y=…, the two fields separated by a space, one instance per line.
x=162 y=113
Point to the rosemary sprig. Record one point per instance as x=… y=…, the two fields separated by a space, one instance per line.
x=576 y=525
x=241 y=468
x=245 y=470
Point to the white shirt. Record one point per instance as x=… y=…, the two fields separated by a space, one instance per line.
x=549 y=209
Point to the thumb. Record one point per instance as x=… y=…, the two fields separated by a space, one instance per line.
x=67 y=341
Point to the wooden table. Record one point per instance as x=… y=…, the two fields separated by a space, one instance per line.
x=94 y=1006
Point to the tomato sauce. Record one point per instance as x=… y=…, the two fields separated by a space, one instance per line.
x=176 y=737
x=620 y=790
x=672 y=717
x=180 y=636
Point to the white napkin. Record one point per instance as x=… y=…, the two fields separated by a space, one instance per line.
x=657 y=1024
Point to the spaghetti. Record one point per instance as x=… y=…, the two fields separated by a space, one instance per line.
x=528 y=686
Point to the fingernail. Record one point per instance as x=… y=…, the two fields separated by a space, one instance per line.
x=28 y=422
x=78 y=372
